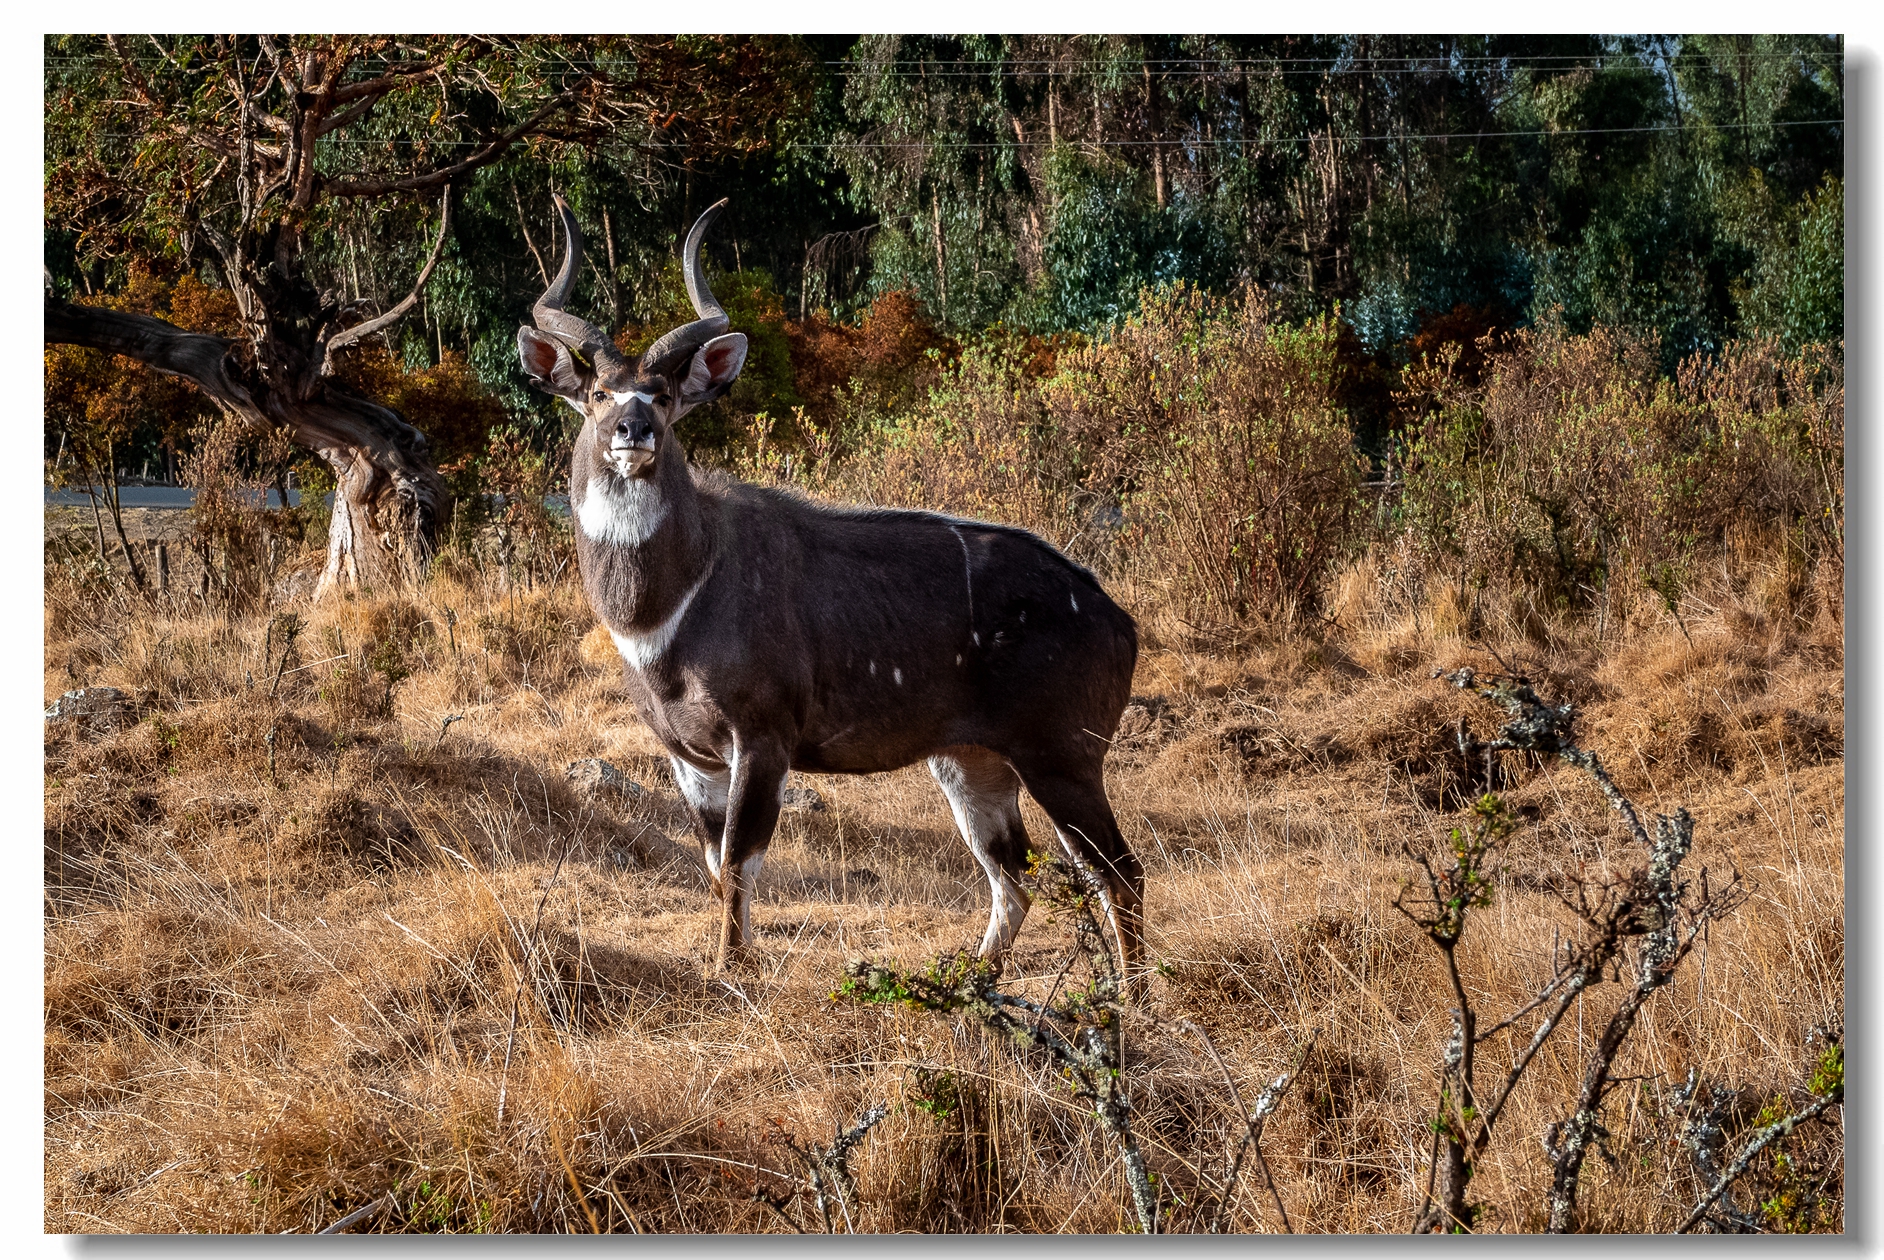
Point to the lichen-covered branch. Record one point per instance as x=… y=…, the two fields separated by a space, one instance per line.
x=1652 y=904
x=1082 y=1032
x=1834 y=1094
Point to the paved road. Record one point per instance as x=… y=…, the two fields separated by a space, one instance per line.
x=152 y=497
x=182 y=497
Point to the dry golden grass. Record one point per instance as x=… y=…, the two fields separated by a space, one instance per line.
x=286 y=976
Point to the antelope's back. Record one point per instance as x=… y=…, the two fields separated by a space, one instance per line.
x=925 y=630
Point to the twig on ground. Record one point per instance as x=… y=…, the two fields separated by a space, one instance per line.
x=528 y=961
x=1253 y=1123
x=446 y=726
x=372 y=1210
x=829 y=1170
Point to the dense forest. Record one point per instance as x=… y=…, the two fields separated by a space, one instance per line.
x=1417 y=189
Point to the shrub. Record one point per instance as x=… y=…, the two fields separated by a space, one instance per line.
x=1217 y=427
x=1576 y=467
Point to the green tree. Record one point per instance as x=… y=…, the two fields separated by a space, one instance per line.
x=274 y=162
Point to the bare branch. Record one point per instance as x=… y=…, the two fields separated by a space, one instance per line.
x=284 y=66
x=200 y=358
x=352 y=113
x=484 y=156
x=524 y=224
x=371 y=1211
x=361 y=331
x=1253 y=1123
x=393 y=77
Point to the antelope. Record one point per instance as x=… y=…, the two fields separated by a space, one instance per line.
x=764 y=633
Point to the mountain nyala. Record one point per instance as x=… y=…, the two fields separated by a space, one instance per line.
x=763 y=632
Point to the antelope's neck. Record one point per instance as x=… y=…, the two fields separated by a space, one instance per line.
x=644 y=543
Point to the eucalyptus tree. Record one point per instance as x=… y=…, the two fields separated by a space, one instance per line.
x=1673 y=184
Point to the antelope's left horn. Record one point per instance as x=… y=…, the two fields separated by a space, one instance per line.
x=673 y=349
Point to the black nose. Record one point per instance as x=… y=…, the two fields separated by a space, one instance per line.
x=636 y=430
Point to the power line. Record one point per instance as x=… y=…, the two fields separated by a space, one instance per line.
x=1174 y=142
x=1435 y=64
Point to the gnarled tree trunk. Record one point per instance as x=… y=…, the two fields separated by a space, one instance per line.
x=390 y=504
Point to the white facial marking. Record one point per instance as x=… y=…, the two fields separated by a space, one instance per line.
x=899 y=676
x=621 y=511
x=642 y=650
x=633 y=393
x=1075 y=600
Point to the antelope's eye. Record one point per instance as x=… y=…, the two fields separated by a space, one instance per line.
x=601 y=395
x=662 y=400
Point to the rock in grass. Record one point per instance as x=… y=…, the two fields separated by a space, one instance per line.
x=802 y=798
x=593 y=777
x=98 y=708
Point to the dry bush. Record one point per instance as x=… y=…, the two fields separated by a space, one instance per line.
x=1217 y=427
x=1578 y=477
x=876 y=367
x=980 y=445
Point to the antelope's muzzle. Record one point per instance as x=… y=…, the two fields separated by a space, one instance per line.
x=633 y=444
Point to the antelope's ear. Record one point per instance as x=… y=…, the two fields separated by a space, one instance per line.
x=714 y=368
x=549 y=365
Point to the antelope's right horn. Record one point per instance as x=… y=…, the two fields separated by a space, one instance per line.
x=573 y=331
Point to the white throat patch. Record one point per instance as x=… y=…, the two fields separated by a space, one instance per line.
x=621 y=511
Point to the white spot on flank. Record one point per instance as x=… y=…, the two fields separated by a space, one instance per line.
x=899 y=676
x=873 y=669
x=619 y=511
x=977 y=638
x=958 y=658
x=642 y=650
x=1075 y=600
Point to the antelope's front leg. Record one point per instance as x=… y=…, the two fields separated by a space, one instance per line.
x=706 y=793
x=752 y=806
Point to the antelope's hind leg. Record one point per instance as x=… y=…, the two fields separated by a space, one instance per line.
x=984 y=793
x=1074 y=795
x=706 y=794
